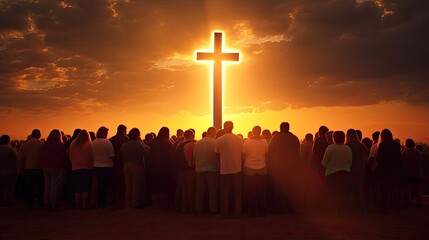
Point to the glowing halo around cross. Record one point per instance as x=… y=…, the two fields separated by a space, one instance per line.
x=217 y=55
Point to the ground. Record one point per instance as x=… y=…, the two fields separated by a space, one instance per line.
x=21 y=223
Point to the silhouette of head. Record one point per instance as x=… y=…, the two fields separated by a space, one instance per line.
x=102 y=132
x=220 y=133
x=55 y=135
x=122 y=130
x=65 y=137
x=398 y=141
x=228 y=126
x=148 y=138
x=266 y=134
x=367 y=142
x=36 y=133
x=409 y=143
x=211 y=132
x=193 y=130
x=352 y=136
x=256 y=131
x=386 y=135
x=204 y=134
x=375 y=136
x=339 y=137
x=179 y=133
x=284 y=127
x=76 y=133
x=188 y=135
x=164 y=133
x=134 y=134
x=92 y=135
x=309 y=137
x=323 y=130
x=4 y=139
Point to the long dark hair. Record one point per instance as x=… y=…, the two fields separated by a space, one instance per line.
x=164 y=133
x=55 y=135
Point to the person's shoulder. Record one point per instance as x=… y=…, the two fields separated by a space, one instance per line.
x=208 y=139
x=7 y=147
x=139 y=144
x=23 y=145
x=125 y=144
x=237 y=137
x=238 y=140
x=221 y=138
x=189 y=144
x=363 y=146
x=406 y=151
x=291 y=135
x=414 y=151
x=103 y=141
x=331 y=147
x=347 y=147
x=248 y=142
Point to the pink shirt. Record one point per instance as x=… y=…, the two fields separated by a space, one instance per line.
x=81 y=157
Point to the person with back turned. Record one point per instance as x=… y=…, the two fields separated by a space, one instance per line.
x=228 y=147
x=33 y=173
x=207 y=172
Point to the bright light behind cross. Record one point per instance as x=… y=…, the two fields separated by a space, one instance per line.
x=217 y=56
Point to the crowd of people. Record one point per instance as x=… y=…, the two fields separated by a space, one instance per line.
x=222 y=174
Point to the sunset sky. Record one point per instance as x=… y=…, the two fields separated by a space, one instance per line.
x=340 y=63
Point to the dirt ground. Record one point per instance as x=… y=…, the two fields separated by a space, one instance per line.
x=22 y=223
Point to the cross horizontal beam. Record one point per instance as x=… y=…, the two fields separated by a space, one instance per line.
x=207 y=56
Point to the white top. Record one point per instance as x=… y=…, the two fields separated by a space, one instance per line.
x=255 y=150
x=337 y=157
x=205 y=157
x=103 y=152
x=229 y=148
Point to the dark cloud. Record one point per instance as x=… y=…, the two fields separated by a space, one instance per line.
x=339 y=52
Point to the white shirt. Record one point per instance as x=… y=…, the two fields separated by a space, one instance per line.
x=229 y=148
x=255 y=150
x=103 y=152
x=205 y=156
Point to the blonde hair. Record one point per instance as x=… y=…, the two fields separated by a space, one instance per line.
x=82 y=138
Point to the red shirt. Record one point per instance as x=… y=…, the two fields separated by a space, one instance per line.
x=81 y=157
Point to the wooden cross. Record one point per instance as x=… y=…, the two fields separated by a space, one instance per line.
x=217 y=56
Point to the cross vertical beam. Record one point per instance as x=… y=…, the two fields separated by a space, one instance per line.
x=217 y=56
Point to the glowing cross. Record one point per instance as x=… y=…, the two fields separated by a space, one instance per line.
x=217 y=56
